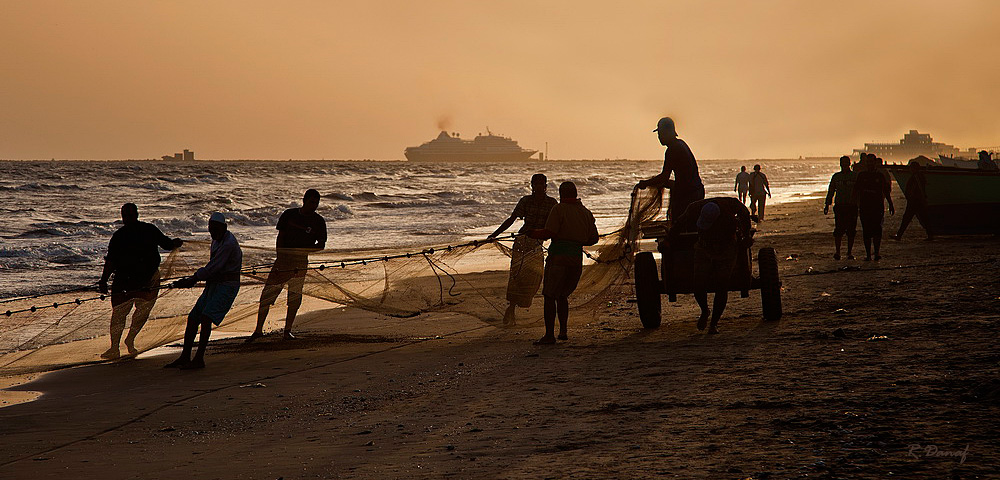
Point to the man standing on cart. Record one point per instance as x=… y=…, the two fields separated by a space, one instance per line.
x=723 y=226
x=686 y=187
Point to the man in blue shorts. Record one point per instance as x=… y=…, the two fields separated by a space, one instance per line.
x=222 y=282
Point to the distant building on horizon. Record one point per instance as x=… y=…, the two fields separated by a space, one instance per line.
x=187 y=156
x=912 y=145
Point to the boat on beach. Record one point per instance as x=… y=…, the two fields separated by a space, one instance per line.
x=484 y=148
x=959 y=200
x=958 y=162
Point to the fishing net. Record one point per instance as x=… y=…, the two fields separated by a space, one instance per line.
x=55 y=330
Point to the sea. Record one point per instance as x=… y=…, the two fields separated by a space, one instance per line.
x=59 y=215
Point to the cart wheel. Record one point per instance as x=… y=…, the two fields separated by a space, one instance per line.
x=647 y=290
x=770 y=285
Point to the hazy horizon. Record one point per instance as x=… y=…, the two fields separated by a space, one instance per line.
x=343 y=80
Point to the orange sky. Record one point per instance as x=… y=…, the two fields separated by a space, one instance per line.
x=352 y=80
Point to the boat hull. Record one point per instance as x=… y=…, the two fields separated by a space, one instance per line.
x=506 y=157
x=959 y=201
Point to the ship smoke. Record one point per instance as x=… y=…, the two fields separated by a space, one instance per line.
x=444 y=123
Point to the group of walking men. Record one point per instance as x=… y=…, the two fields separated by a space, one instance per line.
x=862 y=192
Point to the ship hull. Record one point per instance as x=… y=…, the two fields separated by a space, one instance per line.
x=506 y=157
x=959 y=201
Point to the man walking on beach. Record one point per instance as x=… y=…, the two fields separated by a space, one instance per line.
x=686 y=187
x=526 y=261
x=870 y=192
x=134 y=260
x=723 y=226
x=571 y=227
x=222 y=283
x=845 y=210
x=300 y=232
x=742 y=184
x=758 y=189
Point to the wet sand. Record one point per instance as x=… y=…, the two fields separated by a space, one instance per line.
x=866 y=363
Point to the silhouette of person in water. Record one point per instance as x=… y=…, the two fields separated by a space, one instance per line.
x=222 y=283
x=723 y=226
x=571 y=227
x=742 y=184
x=760 y=190
x=916 y=201
x=526 y=261
x=686 y=187
x=134 y=261
x=987 y=163
x=845 y=210
x=871 y=191
x=300 y=231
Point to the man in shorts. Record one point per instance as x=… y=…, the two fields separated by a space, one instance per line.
x=134 y=260
x=300 y=231
x=845 y=210
x=723 y=226
x=571 y=227
x=526 y=262
x=222 y=282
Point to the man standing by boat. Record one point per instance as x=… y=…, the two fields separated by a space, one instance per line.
x=916 y=201
x=526 y=262
x=845 y=210
x=571 y=227
x=871 y=191
x=758 y=189
x=686 y=187
x=986 y=163
x=134 y=260
x=742 y=184
x=300 y=231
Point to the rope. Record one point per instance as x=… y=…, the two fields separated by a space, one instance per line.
x=897 y=267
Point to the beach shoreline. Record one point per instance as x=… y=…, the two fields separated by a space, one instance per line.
x=868 y=361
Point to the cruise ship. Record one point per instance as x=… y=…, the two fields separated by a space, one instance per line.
x=484 y=148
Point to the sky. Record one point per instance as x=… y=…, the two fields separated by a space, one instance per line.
x=247 y=79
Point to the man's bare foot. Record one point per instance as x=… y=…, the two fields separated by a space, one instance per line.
x=111 y=354
x=193 y=365
x=546 y=340
x=878 y=257
x=508 y=316
x=703 y=320
x=288 y=336
x=836 y=256
x=253 y=336
x=179 y=363
x=850 y=256
x=713 y=331
x=562 y=336
x=131 y=348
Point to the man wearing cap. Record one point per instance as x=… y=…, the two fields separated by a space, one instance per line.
x=222 y=282
x=723 y=226
x=526 y=262
x=134 y=260
x=686 y=187
x=300 y=231
x=571 y=227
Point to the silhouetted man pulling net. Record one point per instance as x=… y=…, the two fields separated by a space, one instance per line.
x=300 y=231
x=526 y=261
x=134 y=261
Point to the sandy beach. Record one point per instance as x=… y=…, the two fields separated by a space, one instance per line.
x=876 y=370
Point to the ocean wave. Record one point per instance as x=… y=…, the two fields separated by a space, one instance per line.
x=39 y=186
